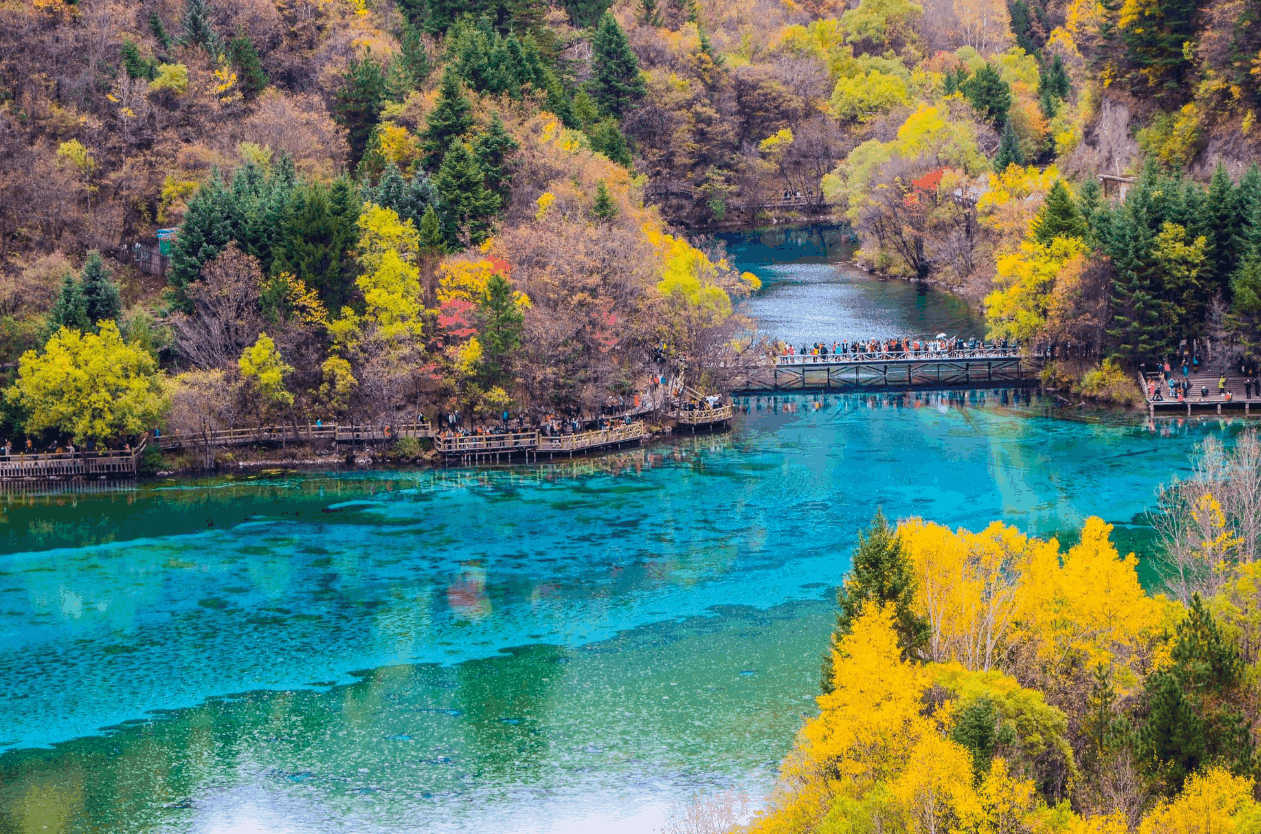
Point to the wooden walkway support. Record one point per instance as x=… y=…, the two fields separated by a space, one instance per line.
x=56 y=467
x=832 y=373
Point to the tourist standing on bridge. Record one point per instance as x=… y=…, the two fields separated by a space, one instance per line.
x=1221 y=385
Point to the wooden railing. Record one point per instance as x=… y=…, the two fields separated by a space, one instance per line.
x=458 y=444
x=67 y=465
x=624 y=433
x=703 y=416
x=310 y=432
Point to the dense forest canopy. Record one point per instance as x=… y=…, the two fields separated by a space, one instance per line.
x=450 y=205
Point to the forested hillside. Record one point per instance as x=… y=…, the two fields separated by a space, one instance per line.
x=392 y=206
x=382 y=211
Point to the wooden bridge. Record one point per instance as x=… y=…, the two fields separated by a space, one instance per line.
x=60 y=466
x=883 y=370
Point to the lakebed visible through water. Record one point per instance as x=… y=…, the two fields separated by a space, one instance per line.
x=529 y=649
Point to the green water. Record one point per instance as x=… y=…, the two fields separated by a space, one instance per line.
x=569 y=648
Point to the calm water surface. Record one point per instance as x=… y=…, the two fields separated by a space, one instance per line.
x=538 y=649
x=810 y=292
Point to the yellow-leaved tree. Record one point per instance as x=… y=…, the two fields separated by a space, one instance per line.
x=1211 y=802
x=867 y=727
x=264 y=372
x=969 y=587
x=389 y=251
x=90 y=386
x=1086 y=609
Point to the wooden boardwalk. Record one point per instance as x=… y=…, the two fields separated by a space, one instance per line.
x=902 y=370
x=1213 y=401
x=64 y=466
x=301 y=434
x=486 y=448
x=471 y=448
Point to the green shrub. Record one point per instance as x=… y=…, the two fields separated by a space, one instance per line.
x=171 y=78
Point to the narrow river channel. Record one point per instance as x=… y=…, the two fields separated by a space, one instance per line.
x=569 y=648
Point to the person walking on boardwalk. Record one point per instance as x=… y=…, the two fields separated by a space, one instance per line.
x=1221 y=385
x=1247 y=389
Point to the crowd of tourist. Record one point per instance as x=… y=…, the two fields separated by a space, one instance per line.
x=897 y=348
x=1173 y=381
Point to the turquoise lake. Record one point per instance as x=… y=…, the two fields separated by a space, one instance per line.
x=568 y=648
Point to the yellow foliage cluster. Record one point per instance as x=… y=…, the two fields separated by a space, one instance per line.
x=74 y=153
x=465 y=279
x=1023 y=285
x=390 y=282
x=997 y=594
x=885 y=752
x=689 y=278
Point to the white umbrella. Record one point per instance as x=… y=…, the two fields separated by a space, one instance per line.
x=941 y=336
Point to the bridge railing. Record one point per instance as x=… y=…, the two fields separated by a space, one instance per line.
x=900 y=356
x=590 y=439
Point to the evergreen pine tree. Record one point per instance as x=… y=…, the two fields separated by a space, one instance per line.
x=479 y=56
x=1022 y=25
x=1089 y=197
x=206 y=230
x=249 y=68
x=650 y=12
x=68 y=310
x=989 y=94
x=1138 y=330
x=518 y=73
x=502 y=325
x=135 y=64
x=1157 y=47
x=440 y=15
x=615 y=79
x=450 y=120
x=159 y=31
x=408 y=198
x=880 y=574
x=466 y=206
x=1191 y=718
x=1058 y=217
x=492 y=149
x=1056 y=79
x=1221 y=228
x=431 y=232
x=318 y=234
x=607 y=138
x=413 y=60
x=357 y=104
x=198 y=30
x=101 y=301
x=1008 y=150
x=604 y=207
x=584 y=14
x=1248 y=194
